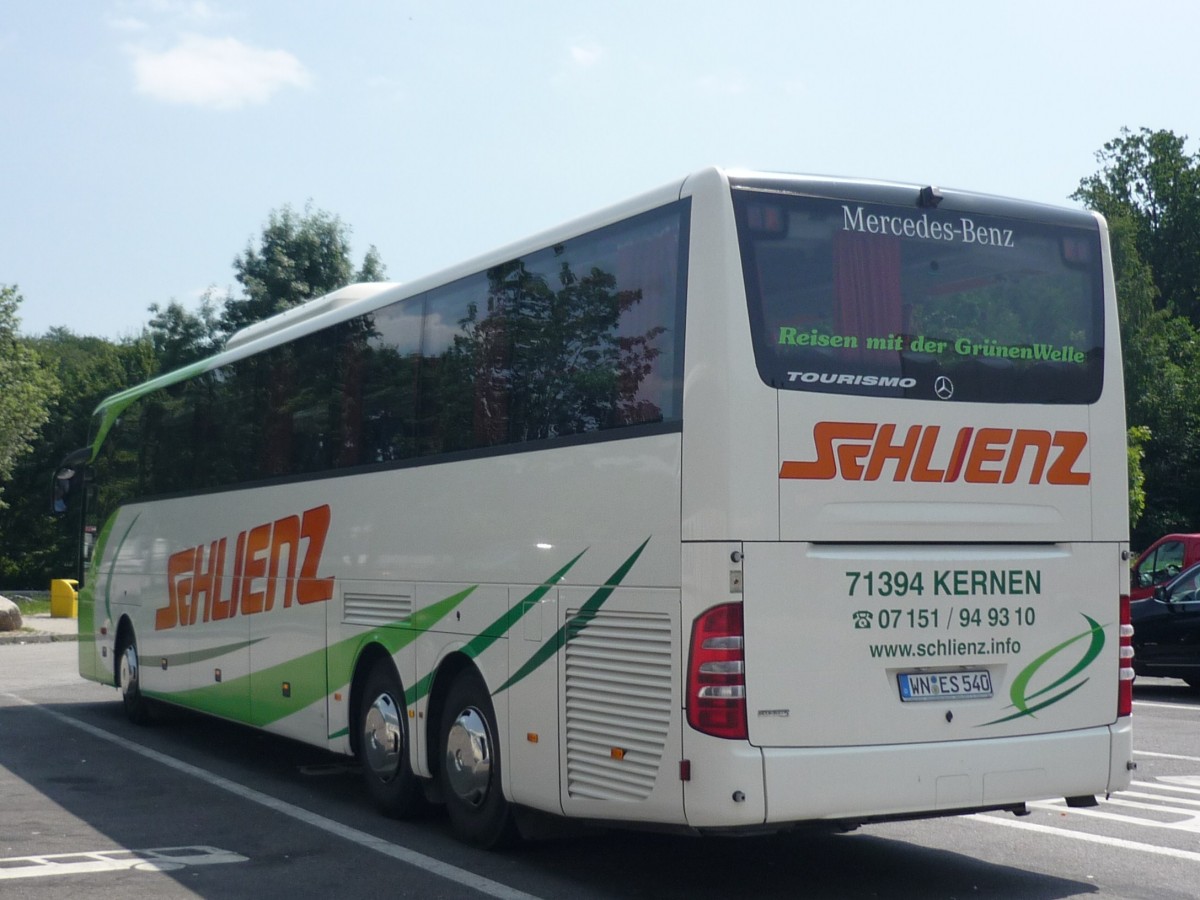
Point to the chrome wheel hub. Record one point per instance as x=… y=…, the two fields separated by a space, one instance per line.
x=383 y=738
x=129 y=671
x=469 y=757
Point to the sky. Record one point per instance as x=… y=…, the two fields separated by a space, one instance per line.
x=145 y=143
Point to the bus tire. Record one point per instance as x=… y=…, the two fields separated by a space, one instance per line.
x=129 y=680
x=383 y=750
x=469 y=769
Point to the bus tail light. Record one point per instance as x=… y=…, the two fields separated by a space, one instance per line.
x=716 y=691
x=1125 y=682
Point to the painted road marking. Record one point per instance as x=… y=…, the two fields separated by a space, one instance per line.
x=1088 y=838
x=429 y=864
x=1171 y=797
x=1166 y=756
x=1173 y=807
x=163 y=859
x=1150 y=704
x=1187 y=819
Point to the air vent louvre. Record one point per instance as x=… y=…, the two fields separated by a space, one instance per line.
x=376 y=609
x=619 y=673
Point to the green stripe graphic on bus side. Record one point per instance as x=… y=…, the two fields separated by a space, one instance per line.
x=113 y=565
x=97 y=556
x=499 y=628
x=560 y=638
x=256 y=699
x=190 y=657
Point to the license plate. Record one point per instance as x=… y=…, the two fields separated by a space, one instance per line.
x=966 y=684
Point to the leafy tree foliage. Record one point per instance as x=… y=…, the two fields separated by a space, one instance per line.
x=1149 y=178
x=1149 y=190
x=1136 y=449
x=33 y=546
x=298 y=257
x=26 y=389
x=180 y=337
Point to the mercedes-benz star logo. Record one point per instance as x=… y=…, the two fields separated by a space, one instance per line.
x=943 y=387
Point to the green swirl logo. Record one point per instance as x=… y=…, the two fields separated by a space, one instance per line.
x=1026 y=703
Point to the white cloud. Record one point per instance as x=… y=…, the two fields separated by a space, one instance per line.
x=128 y=24
x=137 y=15
x=186 y=9
x=726 y=84
x=586 y=55
x=218 y=73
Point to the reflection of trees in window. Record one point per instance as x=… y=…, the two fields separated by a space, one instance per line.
x=388 y=403
x=569 y=340
x=377 y=365
x=1012 y=310
x=278 y=410
x=118 y=471
x=312 y=404
x=542 y=361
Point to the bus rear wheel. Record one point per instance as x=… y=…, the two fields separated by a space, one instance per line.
x=383 y=744
x=469 y=770
x=129 y=682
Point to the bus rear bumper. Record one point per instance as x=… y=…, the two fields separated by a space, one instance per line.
x=864 y=783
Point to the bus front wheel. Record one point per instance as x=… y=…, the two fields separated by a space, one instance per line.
x=383 y=744
x=129 y=681
x=469 y=772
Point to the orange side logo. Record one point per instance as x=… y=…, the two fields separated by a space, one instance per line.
x=862 y=451
x=265 y=560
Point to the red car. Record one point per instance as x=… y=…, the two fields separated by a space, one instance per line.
x=1162 y=561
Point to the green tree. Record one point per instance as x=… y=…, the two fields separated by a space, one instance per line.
x=26 y=389
x=180 y=337
x=35 y=547
x=1149 y=191
x=1136 y=449
x=1150 y=179
x=298 y=257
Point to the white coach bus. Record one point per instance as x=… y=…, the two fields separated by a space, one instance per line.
x=755 y=500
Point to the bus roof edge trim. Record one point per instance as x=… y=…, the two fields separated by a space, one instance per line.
x=325 y=303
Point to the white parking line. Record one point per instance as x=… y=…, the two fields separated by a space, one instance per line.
x=1170 y=804
x=1088 y=838
x=163 y=859
x=410 y=857
x=1150 y=704
x=1195 y=759
x=1187 y=819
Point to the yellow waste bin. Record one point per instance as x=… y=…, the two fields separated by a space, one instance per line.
x=64 y=599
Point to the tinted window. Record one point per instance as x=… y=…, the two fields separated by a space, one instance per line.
x=865 y=298
x=577 y=340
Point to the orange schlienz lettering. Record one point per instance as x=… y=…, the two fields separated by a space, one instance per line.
x=314 y=526
x=265 y=560
x=863 y=451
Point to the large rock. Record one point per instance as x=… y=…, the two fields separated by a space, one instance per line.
x=10 y=615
